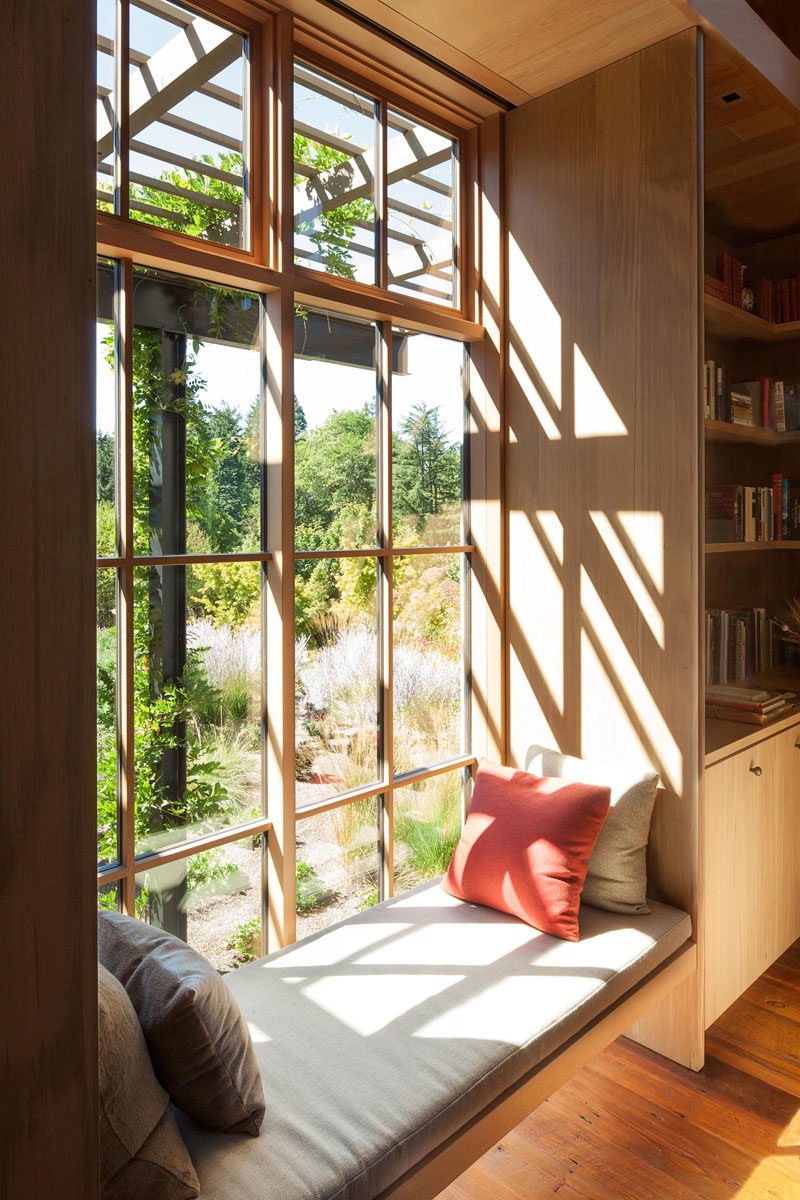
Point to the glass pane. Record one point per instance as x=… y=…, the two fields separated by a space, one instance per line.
x=337 y=865
x=334 y=177
x=187 y=161
x=212 y=901
x=106 y=103
x=107 y=788
x=196 y=426
x=421 y=211
x=335 y=449
x=106 y=412
x=428 y=659
x=428 y=438
x=197 y=700
x=427 y=825
x=108 y=897
x=336 y=679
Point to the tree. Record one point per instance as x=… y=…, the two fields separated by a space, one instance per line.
x=335 y=469
x=105 y=467
x=427 y=470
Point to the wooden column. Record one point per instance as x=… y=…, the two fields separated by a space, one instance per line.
x=48 y=1039
x=603 y=475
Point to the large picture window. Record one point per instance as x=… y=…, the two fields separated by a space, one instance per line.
x=283 y=564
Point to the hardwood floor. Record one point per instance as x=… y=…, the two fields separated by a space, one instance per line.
x=635 y=1126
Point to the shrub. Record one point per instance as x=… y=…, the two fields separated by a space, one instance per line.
x=246 y=939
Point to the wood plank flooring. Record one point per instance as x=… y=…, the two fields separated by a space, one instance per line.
x=635 y=1126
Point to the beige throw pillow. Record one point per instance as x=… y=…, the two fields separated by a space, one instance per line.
x=616 y=878
x=198 y=1039
x=141 y=1151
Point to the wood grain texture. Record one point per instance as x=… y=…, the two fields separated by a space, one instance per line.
x=752 y=906
x=48 y=1110
x=537 y=45
x=603 y=474
x=633 y=1125
x=752 y=152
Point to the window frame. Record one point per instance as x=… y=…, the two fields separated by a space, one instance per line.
x=267 y=268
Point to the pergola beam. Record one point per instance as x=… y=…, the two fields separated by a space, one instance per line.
x=184 y=64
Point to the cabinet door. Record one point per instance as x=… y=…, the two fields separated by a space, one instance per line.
x=787 y=818
x=744 y=860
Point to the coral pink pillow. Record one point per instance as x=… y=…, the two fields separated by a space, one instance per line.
x=526 y=845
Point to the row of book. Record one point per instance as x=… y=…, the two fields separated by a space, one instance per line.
x=761 y=403
x=739 y=643
x=774 y=300
x=754 y=706
x=779 y=301
x=738 y=513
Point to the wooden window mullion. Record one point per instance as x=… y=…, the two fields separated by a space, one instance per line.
x=125 y=620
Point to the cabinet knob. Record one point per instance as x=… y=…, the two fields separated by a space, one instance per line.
x=756 y=770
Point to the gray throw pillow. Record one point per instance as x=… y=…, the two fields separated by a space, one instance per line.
x=141 y=1151
x=198 y=1039
x=616 y=878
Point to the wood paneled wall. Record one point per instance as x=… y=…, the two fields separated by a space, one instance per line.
x=603 y=459
x=48 y=990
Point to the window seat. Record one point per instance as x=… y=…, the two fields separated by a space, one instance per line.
x=389 y=1043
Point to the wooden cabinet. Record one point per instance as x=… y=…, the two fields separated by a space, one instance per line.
x=752 y=863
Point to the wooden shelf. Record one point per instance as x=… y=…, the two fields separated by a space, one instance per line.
x=723 y=738
x=725 y=431
x=748 y=547
x=724 y=321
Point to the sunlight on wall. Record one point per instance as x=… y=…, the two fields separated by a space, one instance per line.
x=595 y=415
x=532 y=724
x=597 y=698
x=543 y=618
x=536 y=335
x=645 y=531
x=532 y=395
x=553 y=530
x=630 y=575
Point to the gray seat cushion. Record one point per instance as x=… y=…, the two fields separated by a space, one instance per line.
x=379 y=1037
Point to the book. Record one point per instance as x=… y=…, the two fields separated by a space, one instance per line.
x=722 y=513
x=747 y=402
x=790 y=400
x=741 y=407
x=749 y=718
x=778 y=409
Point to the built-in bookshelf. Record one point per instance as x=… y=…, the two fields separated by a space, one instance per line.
x=743 y=576
x=724 y=320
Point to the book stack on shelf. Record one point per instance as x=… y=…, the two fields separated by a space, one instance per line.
x=777 y=301
x=754 y=706
x=761 y=403
x=740 y=513
x=740 y=642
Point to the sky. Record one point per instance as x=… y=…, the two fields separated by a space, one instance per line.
x=232 y=377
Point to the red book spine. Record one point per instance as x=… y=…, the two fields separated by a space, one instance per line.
x=777 y=506
x=765 y=421
x=786 y=299
x=725 y=272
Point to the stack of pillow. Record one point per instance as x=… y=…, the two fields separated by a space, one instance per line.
x=169 y=1030
x=537 y=845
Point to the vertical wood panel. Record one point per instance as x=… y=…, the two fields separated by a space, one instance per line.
x=603 y=431
x=485 y=455
x=48 y=1110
